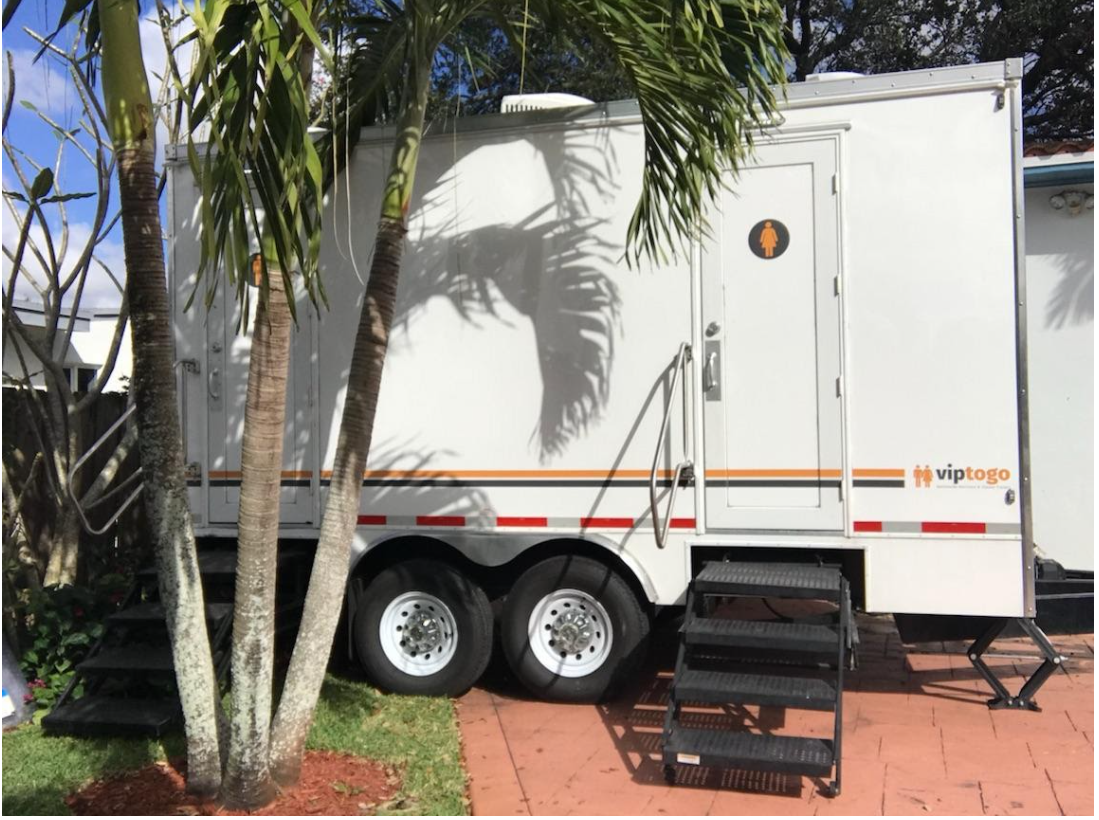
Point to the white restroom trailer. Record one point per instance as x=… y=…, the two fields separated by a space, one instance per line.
x=835 y=371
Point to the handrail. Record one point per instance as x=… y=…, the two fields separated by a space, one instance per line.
x=80 y=463
x=660 y=533
x=189 y=365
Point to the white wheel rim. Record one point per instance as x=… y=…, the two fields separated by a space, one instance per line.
x=418 y=634
x=570 y=633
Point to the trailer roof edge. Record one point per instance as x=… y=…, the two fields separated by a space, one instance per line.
x=622 y=112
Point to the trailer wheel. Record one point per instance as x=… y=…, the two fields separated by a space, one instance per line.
x=573 y=630
x=423 y=628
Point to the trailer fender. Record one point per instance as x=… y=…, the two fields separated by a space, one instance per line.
x=497 y=549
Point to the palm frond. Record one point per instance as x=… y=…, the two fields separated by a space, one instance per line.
x=703 y=72
x=260 y=175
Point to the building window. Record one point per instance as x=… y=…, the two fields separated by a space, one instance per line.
x=84 y=378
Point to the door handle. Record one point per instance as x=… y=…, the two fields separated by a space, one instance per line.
x=711 y=370
x=709 y=373
x=213 y=382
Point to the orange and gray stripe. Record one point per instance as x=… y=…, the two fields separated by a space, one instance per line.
x=774 y=478
x=863 y=477
x=579 y=478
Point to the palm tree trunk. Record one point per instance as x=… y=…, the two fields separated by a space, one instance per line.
x=329 y=577
x=248 y=783
x=132 y=129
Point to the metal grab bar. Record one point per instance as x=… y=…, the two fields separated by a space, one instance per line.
x=132 y=477
x=190 y=366
x=661 y=532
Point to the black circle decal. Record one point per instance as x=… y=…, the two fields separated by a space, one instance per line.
x=769 y=239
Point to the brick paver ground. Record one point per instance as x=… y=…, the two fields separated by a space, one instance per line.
x=918 y=739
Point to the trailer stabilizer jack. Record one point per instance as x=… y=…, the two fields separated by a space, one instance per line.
x=1025 y=699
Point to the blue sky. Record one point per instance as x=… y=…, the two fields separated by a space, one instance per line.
x=47 y=87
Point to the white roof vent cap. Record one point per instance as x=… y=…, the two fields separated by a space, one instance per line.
x=833 y=75
x=541 y=102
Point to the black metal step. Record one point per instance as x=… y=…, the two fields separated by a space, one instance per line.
x=733 y=750
x=213 y=565
x=762 y=636
x=704 y=686
x=132 y=659
x=99 y=715
x=805 y=581
x=152 y=612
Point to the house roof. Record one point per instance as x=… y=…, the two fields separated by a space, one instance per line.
x=32 y=314
x=1050 y=149
x=1059 y=163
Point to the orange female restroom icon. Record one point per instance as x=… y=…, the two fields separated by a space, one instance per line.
x=768 y=239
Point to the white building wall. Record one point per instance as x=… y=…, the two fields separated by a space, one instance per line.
x=88 y=348
x=1060 y=259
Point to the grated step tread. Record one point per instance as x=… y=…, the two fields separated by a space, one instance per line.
x=744 y=750
x=783 y=636
x=99 y=715
x=769 y=580
x=219 y=565
x=153 y=612
x=715 y=687
x=129 y=659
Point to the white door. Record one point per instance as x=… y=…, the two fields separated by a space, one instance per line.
x=771 y=349
x=227 y=389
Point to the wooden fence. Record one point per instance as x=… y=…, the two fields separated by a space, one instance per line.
x=123 y=546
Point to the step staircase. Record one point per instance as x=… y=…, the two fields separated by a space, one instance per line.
x=128 y=676
x=793 y=663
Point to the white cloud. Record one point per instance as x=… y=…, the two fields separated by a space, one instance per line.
x=155 y=54
x=43 y=83
x=99 y=290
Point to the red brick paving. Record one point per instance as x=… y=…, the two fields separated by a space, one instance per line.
x=918 y=739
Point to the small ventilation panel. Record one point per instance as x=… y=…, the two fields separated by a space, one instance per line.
x=541 y=102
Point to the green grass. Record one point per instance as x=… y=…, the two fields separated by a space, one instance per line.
x=418 y=736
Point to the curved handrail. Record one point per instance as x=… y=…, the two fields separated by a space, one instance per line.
x=80 y=463
x=660 y=533
x=187 y=364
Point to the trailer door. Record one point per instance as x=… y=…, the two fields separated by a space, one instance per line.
x=771 y=345
x=227 y=390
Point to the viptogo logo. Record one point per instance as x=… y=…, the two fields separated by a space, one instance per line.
x=951 y=476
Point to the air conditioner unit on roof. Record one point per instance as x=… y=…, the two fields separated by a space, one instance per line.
x=541 y=102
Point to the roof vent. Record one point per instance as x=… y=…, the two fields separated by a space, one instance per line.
x=540 y=102
x=832 y=75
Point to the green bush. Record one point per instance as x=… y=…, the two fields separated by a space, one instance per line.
x=61 y=623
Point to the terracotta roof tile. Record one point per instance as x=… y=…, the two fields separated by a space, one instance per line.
x=1049 y=149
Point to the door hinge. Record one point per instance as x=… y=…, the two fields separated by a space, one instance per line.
x=837 y=285
x=835 y=183
x=839 y=386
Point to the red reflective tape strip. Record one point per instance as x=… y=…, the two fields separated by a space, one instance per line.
x=520 y=521
x=372 y=520
x=618 y=523
x=440 y=520
x=682 y=524
x=868 y=526
x=953 y=526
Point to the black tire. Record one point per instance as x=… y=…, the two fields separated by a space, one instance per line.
x=534 y=594
x=467 y=632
